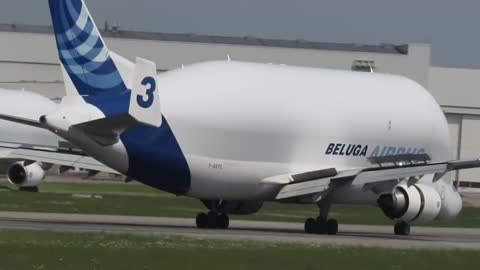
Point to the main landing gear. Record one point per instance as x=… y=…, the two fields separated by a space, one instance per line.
x=402 y=228
x=212 y=220
x=321 y=224
x=29 y=189
x=215 y=219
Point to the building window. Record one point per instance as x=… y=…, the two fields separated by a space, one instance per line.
x=363 y=65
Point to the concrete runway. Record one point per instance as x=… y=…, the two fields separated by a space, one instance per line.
x=349 y=235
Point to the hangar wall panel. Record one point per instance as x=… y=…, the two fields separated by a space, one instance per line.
x=54 y=91
x=455 y=87
x=45 y=79
x=454 y=125
x=470 y=145
x=15 y=71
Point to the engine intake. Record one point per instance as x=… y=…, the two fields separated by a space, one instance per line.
x=25 y=176
x=415 y=203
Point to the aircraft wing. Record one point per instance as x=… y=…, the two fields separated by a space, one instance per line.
x=314 y=185
x=64 y=155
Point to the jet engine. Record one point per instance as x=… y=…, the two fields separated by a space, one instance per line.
x=235 y=207
x=415 y=203
x=25 y=176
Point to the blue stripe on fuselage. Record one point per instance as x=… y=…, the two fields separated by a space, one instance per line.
x=111 y=105
x=154 y=155
x=155 y=158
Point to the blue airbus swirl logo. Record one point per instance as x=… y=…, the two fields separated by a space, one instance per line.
x=82 y=51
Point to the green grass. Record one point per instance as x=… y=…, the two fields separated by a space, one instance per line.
x=139 y=200
x=71 y=251
x=100 y=188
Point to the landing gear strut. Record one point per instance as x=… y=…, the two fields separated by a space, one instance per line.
x=402 y=228
x=322 y=225
x=214 y=219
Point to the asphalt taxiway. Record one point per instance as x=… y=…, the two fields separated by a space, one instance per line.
x=349 y=235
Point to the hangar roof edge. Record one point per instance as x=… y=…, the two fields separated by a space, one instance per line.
x=212 y=39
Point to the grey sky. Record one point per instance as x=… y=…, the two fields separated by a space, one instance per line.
x=452 y=27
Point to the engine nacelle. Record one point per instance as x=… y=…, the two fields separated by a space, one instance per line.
x=25 y=176
x=415 y=203
x=235 y=207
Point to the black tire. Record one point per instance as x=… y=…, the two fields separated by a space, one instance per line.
x=310 y=225
x=223 y=221
x=202 y=221
x=402 y=228
x=212 y=220
x=405 y=228
x=332 y=226
x=29 y=189
x=396 y=229
x=321 y=225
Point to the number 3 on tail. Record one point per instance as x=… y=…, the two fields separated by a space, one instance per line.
x=152 y=86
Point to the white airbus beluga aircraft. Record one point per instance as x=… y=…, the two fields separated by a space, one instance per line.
x=236 y=134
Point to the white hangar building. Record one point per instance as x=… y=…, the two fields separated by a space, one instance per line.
x=28 y=60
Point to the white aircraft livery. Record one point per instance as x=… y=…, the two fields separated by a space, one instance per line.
x=236 y=134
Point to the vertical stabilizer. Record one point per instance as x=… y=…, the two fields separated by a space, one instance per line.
x=89 y=68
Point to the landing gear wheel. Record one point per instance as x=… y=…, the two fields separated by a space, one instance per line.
x=402 y=228
x=321 y=225
x=222 y=221
x=310 y=225
x=212 y=220
x=202 y=221
x=29 y=189
x=332 y=226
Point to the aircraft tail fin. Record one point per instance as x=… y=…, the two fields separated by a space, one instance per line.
x=101 y=77
x=89 y=68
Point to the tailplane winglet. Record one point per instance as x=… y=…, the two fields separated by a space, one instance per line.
x=145 y=99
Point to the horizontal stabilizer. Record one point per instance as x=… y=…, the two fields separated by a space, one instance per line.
x=107 y=131
x=21 y=120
